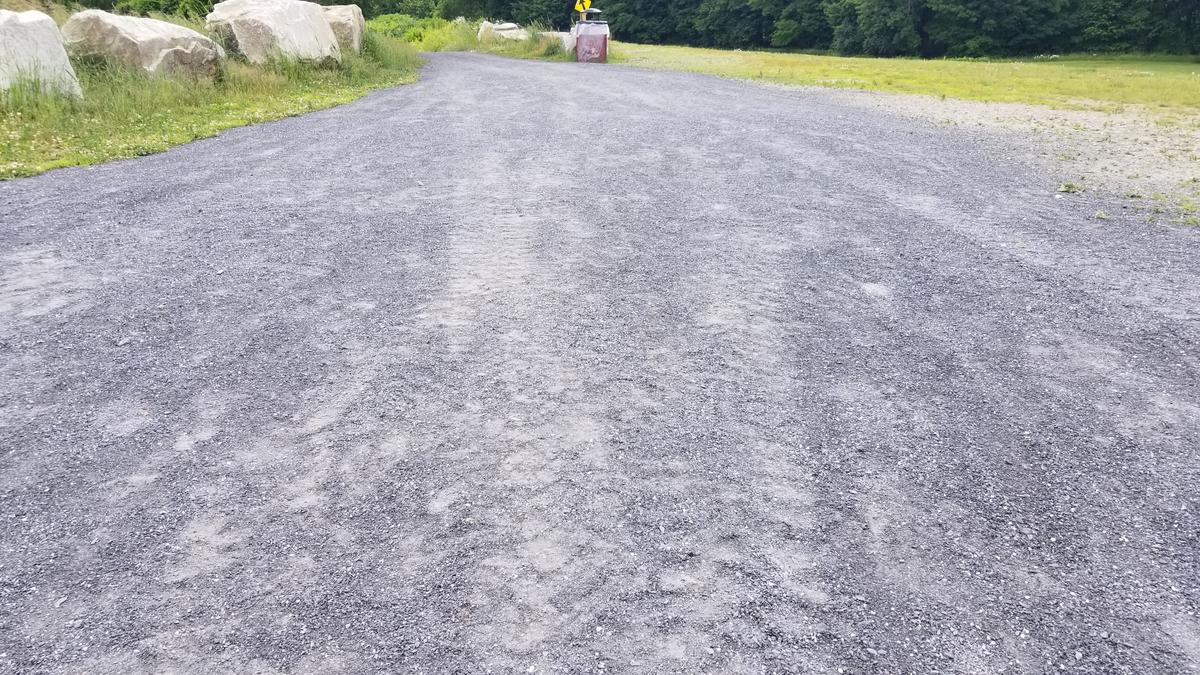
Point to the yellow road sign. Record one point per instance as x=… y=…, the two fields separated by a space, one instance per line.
x=583 y=5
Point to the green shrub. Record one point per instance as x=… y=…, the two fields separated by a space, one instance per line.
x=427 y=34
x=440 y=35
x=538 y=46
x=419 y=8
x=192 y=9
x=451 y=36
x=404 y=26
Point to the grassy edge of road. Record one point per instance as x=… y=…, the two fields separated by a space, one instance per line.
x=1124 y=123
x=1166 y=85
x=1130 y=123
x=459 y=35
x=1127 y=124
x=125 y=113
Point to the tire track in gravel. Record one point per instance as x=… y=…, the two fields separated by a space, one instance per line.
x=533 y=366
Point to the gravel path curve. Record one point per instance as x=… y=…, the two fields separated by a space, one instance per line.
x=556 y=368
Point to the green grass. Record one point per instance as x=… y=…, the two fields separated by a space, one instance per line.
x=440 y=35
x=126 y=113
x=540 y=46
x=1167 y=85
x=428 y=34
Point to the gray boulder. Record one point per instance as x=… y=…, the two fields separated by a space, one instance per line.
x=152 y=45
x=348 y=25
x=567 y=40
x=506 y=31
x=262 y=30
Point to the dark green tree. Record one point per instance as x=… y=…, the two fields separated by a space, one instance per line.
x=422 y=9
x=557 y=14
x=475 y=9
x=985 y=27
x=845 y=35
x=796 y=24
x=731 y=23
x=802 y=25
x=1176 y=26
x=890 y=27
x=1113 y=25
x=649 y=21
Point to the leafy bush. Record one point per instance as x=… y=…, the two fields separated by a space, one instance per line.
x=427 y=34
x=405 y=26
x=538 y=46
x=194 y=9
x=419 y=8
x=876 y=27
x=450 y=36
x=906 y=27
x=440 y=35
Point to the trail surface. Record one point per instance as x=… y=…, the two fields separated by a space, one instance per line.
x=568 y=368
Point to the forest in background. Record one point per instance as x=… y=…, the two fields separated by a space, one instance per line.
x=927 y=28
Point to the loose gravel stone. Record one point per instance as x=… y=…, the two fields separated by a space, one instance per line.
x=601 y=368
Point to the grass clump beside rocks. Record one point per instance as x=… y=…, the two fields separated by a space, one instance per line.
x=126 y=113
x=429 y=34
x=441 y=35
x=539 y=46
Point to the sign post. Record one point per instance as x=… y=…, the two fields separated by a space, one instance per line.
x=590 y=34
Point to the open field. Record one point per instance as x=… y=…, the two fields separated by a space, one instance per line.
x=1167 y=85
x=1130 y=125
x=126 y=114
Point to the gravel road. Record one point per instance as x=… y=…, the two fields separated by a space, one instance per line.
x=556 y=368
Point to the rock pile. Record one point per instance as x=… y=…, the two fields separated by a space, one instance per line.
x=32 y=49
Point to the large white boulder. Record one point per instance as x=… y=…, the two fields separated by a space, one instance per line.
x=152 y=45
x=507 y=31
x=262 y=30
x=31 y=48
x=567 y=40
x=348 y=25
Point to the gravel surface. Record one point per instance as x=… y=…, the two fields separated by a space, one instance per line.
x=1145 y=155
x=545 y=367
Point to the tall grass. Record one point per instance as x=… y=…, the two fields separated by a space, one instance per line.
x=60 y=12
x=448 y=36
x=540 y=45
x=126 y=112
x=1166 y=85
x=440 y=35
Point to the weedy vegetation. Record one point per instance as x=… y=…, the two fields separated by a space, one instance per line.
x=1167 y=85
x=126 y=113
x=442 y=35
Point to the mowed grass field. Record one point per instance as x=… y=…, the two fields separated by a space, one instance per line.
x=1170 y=85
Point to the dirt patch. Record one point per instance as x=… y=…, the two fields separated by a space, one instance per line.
x=1137 y=153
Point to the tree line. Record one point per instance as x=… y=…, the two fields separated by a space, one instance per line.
x=927 y=28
